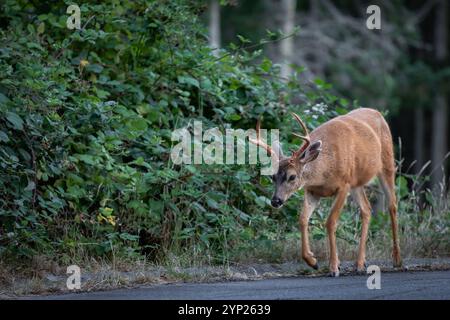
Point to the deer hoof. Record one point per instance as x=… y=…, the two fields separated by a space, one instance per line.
x=361 y=269
x=398 y=263
x=334 y=274
x=316 y=266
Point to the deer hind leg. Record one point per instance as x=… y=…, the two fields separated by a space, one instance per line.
x=331 y=228
x=365 y=209
x=387 y=178
x=309 y=205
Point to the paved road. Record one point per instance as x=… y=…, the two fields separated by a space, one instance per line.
x=400 y=285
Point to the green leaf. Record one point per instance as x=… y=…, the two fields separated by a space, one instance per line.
x=137 y=124
x=233 y=117
x=262 y=201
x=402 y=185
x=3 y=136
x=31 y=186
x=87 y=158
x=15 y=120
x=189 y=80
x=318 y=234
x=242 y=39
x=107 y=212
x=95 y=68
x=341 y=111
x=266 y=64
x=242 y=176
x=102 y=94
x=3 y=99
x=41 y=28
x=212 y=203
x=206 y=84
x=129 y=237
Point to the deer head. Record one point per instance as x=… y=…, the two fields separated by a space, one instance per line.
x=289 y=177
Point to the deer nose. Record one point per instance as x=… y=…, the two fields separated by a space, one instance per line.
x=276 y=202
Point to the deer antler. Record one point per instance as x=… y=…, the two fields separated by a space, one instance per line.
x=260 y=143
x=306 y=137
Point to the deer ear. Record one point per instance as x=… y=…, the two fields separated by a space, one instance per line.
x=312 y=152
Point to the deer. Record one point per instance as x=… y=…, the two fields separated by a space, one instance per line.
x=339 y=157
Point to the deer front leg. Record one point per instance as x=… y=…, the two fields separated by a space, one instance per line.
x=331 y=228
x=309 y=205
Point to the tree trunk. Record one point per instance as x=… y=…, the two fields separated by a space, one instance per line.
x=419 y=138
x=214 y=25
x=274 y=17
x=439 y=126
x=287 y=45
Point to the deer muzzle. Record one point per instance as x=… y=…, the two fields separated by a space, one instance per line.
x=276 y=202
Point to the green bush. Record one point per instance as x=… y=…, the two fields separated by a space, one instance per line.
x=86 y=118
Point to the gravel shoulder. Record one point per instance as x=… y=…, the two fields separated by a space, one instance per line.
x=109 y=279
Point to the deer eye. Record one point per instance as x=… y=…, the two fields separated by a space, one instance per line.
x=292 y=177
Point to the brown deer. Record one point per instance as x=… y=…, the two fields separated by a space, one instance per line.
x=340 y=156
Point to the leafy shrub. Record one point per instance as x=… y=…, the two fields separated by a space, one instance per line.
x=85 y=124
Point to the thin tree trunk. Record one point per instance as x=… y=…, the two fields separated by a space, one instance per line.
x=318 y=68
x=419 y=147
x=214 y=25
x=439 y=127
x=287 y=45
x=274 y=16
x=419 y=138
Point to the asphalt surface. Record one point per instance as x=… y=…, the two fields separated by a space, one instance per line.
x=398 y=285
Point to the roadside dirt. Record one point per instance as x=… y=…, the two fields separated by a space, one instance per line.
x=107 y=278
